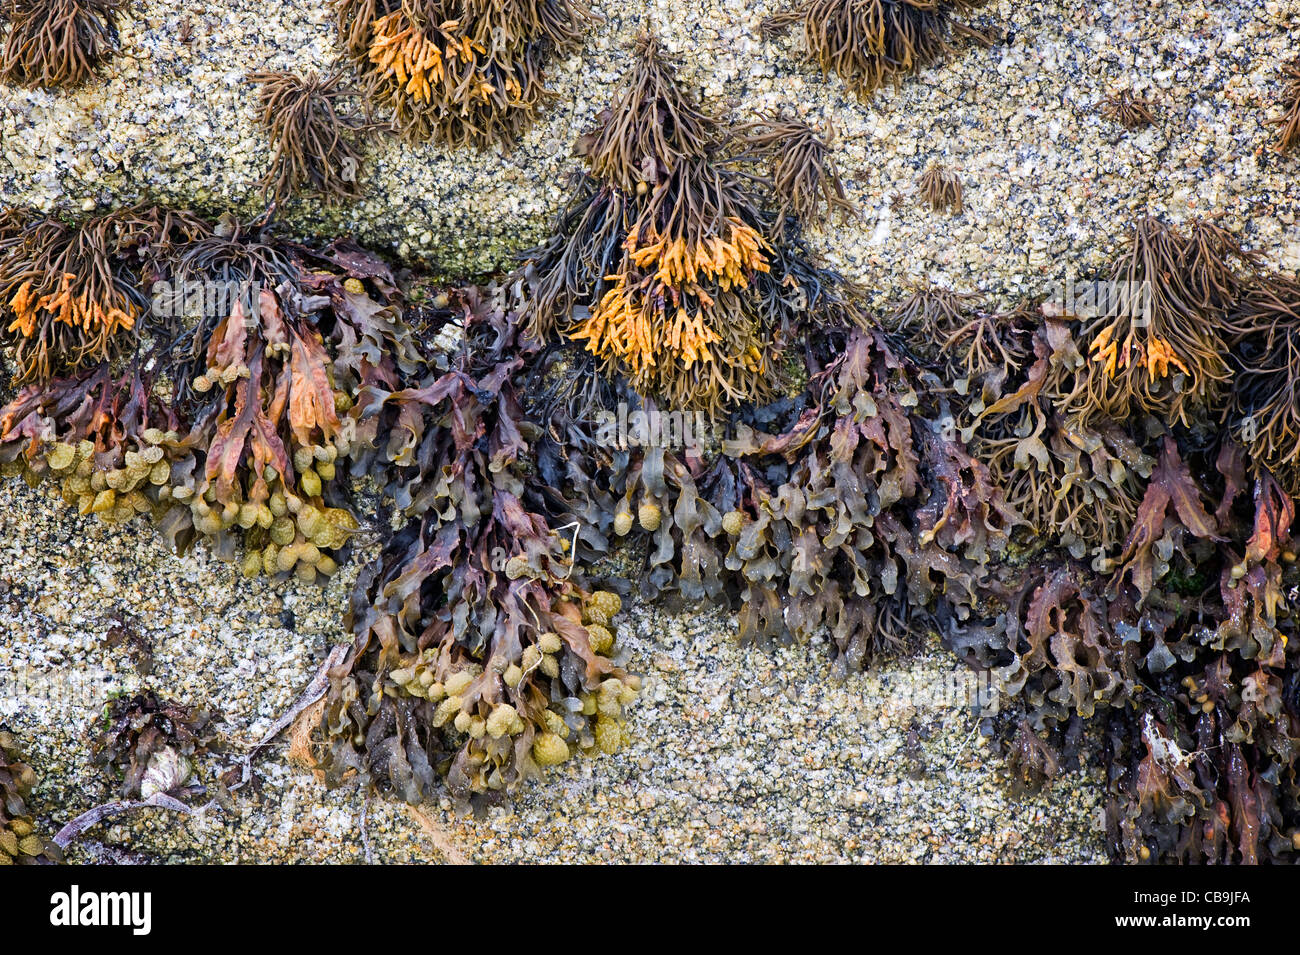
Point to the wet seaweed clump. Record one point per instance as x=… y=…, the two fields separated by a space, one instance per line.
x=462 y=72
x=70 y=292
x=314 y=137
x=480 y=653
x=1264 y=413
x=872 y=43
x=1155 y=341
x=671 y=266
x=851 y=509
x=867 y=517
x=1179 y=654
x=57 y=43
x=1009 y=373
x=19 y=842
x=266 y=379
x=805 y=181
x=234 y=425
x=104 y=439
x=940 y=188
x=150 y=744
x=1289 y=135
x=1066 y=401
x=1128 y=109
x=1168 y=655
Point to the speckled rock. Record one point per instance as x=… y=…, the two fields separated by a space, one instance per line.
x=736 y=753
x=1049 y=183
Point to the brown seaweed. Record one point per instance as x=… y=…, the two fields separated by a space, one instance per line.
x=871 y=43
x=462 y=72
x=314 y=138
x=57 y=43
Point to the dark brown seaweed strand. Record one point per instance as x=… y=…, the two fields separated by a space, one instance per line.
x=354 y=20
x=940 y=189
x=314 y=141
x=1129 y=110
x=650 y=127
x=57 y=43
x=869 y=43
x=1289 y=135
x=804 y=179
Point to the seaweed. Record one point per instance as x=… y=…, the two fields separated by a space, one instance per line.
x=313 y=136
x=479 y=654
x=940 y=188
x=20 y=843
x=151 y=743
x=1289 y=135
x=672 y=267
x=1158 y=343
x=925 y=317
x=267 y=380
x=1178 y=650
x=57 y=43
x=1265 y=409
x=831 y=545
x=1128 y=109
x=104 y=439
x=804 y=178
x=863 y=515
x=265 y=346
x=69 y=293
x=1091 y=498
x=1077 y=485
x=462 y=72
x=871 y=43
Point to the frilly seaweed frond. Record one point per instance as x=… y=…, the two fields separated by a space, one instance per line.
x=480 y=654
x=20 y=844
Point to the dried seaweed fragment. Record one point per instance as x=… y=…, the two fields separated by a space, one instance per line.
x=1128 y=109
x=152 y=743
x=869 y=43
x=313 y=137
x=940 y=188
x=57 y=43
